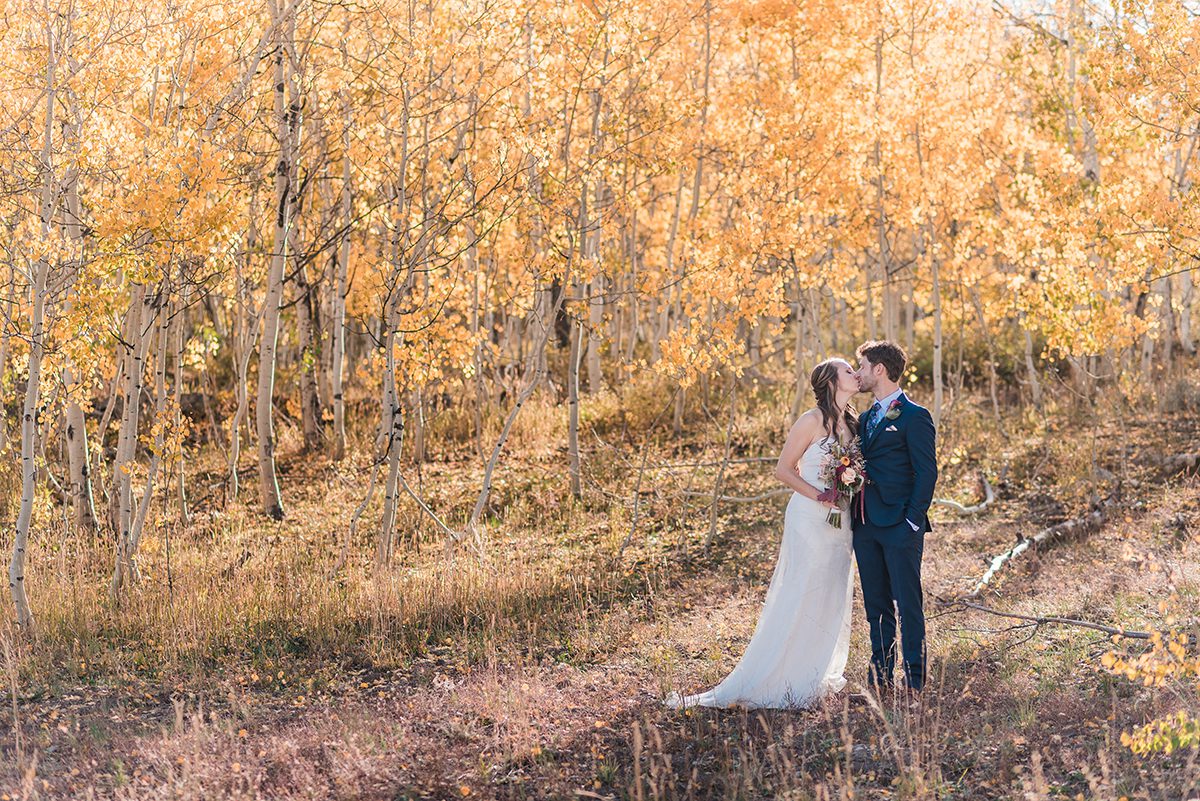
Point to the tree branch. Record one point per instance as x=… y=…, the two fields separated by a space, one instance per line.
x=1040 y=620
x=989 y=497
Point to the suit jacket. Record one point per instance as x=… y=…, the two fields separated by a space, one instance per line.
x=901 y=466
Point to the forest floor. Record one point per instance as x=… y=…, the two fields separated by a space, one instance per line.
x=243 y=671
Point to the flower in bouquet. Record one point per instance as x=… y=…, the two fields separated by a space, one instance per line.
x=844 y=471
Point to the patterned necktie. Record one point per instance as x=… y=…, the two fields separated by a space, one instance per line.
x=873 y=418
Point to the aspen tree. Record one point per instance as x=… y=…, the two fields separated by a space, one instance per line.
x=286 y=120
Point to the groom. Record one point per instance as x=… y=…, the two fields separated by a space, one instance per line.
x=891 y=517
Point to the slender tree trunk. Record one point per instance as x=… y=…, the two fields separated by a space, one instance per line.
x=242 y=352
x=634 y=290
x=991 y=349
x=591 y=233
x=720 y=483
x=574 y=467
x=477 y=408
x=1148 y=348
x=110 y=405
x=4 y=345
x=395 y=433
x=836 y=322
x=78 y=462
x=160 y=411
x=1186 y=293
x=910 y=315
x=536 y=370
x=181 y=473
x=142 y=312
x=936 y=302
x=401 y=275
x=1167 y=326
x=285 y=123
x=595 y=322
x=798 y=353
x=881 y=245
x=310 y=401
x=244 y=333
x=337 y=338
x=889 y=307
x=1181 y=186
x=16 y=566
x=1035 y=384
x=418 y=417
x=78 y=456
x=1086 y=150
x=664 y=312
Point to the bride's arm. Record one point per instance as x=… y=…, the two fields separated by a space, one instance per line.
x=804 y=431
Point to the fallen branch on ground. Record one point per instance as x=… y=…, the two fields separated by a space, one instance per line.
x=1076 y=527
x=744 y=460
x=1039 y=620
x=1183 y=463
x=737 y=499
x=989 y=495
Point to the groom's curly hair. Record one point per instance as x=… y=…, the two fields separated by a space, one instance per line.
x=885 y=352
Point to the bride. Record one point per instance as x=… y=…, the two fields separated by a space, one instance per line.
x=799 y=647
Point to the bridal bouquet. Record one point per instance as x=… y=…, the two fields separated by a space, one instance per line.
x=844 y=470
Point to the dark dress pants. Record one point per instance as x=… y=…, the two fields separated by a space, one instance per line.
x=889 y=567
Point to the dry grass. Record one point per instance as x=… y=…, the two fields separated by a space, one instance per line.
x=242 y=671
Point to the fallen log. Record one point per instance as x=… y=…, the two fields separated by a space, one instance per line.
x=1183 y=463
x=989 y=496
x=1068 y=529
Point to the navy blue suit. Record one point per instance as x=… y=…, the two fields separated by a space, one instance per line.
x=902 y=469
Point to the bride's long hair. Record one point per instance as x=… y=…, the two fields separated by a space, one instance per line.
x=824 y=380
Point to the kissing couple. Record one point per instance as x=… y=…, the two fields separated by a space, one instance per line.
x=799 y=649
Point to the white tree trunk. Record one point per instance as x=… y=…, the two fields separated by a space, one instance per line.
x=798 y=357
x=1186 y=298
x=664 y=319
x=16 y=567
x=4 y=343
x=1035 y=384
x=78 y=457
x=78 y=462
x=337 y=343
x=574 y=466
x=310 y=402
x=536 y=371
x=138 y=334
x=244 y=334
x=394 y=433
x=881 y=245
x=181 y=473
x=270 y=500
x=936 y=300
x=595 y=324
x=160 y=408
x=41 y=276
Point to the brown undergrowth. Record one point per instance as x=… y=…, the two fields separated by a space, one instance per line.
x=238 y=669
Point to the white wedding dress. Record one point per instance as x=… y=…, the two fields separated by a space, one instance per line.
x=802 y=638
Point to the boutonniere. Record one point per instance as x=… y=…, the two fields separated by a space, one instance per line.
x=893 y=410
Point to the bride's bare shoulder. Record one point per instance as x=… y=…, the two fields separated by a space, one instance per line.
x=811 y=419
